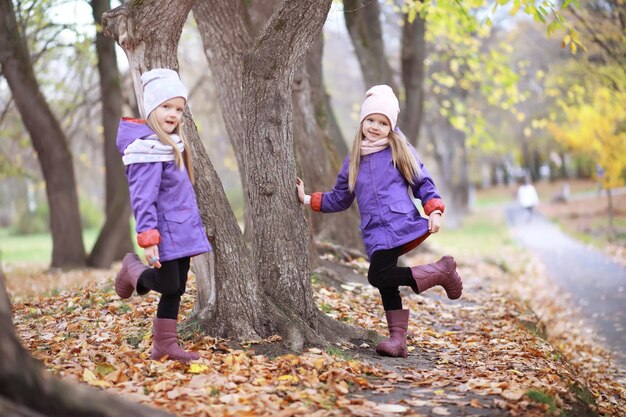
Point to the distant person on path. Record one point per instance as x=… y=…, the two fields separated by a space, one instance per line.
x=158 y=168
x=527 y=197
x=377 y=172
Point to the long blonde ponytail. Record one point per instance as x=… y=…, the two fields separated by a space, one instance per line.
x=181 y=158
x=403 y=158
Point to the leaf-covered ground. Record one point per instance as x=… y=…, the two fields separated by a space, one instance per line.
x=488 y=354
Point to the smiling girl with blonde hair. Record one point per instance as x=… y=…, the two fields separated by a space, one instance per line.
x=380 y=169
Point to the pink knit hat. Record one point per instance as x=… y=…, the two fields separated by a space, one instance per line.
x=381 y=99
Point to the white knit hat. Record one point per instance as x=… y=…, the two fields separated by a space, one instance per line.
x=160 y=85
x=381 y=99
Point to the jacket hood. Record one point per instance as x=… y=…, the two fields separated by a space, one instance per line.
x=129 y=130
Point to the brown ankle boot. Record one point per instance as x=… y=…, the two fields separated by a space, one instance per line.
x=126 y=279
x=443 y=272
x=395 y=346
x=166 y=342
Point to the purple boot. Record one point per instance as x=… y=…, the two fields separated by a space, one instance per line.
x=395 y=346
x=166 y=343
x=126 y=279
x=443 y=272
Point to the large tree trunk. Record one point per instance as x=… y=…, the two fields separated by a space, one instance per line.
x=319 y=163
x=413 y=57
x=324 y=113
x=114 y=238
x=233 y=302
x=317 y=156
x=224 y=47
x=363 y=23
x=27 y=390
x=279 y=226
x=48 y=140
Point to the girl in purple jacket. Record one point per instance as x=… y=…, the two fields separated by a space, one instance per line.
x=380 y=168
x=159 y=172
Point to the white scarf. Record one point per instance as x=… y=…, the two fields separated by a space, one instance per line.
x=151 y=149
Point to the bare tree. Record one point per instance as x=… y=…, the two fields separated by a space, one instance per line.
x=363 y=23
x=413 y=56
x=114 y=238
x=48 y=140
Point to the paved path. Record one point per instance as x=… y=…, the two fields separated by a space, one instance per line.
x=596 y=283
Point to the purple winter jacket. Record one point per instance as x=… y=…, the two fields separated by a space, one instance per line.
x=389 y=219
x=162 y=199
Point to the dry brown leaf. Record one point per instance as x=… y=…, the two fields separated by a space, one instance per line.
x=440 y=411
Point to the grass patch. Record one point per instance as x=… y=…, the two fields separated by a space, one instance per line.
x=190 y=329
x=541 y=397
x=134 y=339
x=481 y=234
x=326 y=308
x=582 y=393
x=338 y=353
x=35 y=248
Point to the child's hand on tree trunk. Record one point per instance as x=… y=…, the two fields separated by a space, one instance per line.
x=300 y=188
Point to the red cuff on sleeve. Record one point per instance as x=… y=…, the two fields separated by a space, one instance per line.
x=134 y=120
x=148 y=238
x=316 y=201
x=434 y=204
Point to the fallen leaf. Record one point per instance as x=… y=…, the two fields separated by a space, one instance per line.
x=197 y=368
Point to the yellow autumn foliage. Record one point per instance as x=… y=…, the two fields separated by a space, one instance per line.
x=597 y=128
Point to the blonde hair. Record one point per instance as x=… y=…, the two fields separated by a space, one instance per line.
x=401 y=154
x=182 y=158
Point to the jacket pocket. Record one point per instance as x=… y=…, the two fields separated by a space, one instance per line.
x=403 y=207
x=180 y=229
x=177 y=216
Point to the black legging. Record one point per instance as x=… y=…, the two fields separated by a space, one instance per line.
x=387 y=276
x=170 y=280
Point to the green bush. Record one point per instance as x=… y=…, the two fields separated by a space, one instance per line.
x=29 y=223
x=91 y=216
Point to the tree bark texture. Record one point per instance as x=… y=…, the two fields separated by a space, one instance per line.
x=279 y=227
x=224 y=47
x=269 y=71
x=324 y=113
x=413 y=57
x=319 y=163
x=114 y=238
x=363 y=23
x=48 y=140
x=27 y=390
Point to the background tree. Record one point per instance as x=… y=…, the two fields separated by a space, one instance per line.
x=114 y=239
x=48 y=140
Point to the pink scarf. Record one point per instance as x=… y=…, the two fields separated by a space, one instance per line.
x=369 y=147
